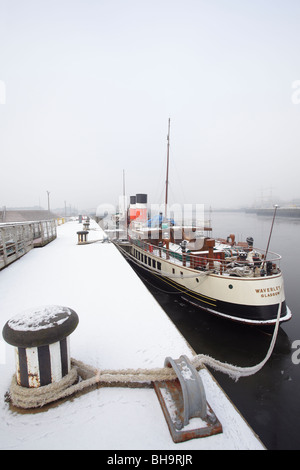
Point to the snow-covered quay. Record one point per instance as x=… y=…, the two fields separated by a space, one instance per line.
x=120 y=326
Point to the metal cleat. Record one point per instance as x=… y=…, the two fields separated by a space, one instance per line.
x=184 y=404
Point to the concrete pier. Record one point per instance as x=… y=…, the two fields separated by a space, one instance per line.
x=121 y=326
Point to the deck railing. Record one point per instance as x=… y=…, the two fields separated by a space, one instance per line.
x=229 y=261
x=16 y=239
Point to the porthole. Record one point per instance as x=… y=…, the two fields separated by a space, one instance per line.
x=230 y=286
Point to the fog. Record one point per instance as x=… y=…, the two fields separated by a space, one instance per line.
x=87 y=88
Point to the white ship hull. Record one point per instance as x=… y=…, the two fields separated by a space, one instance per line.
x=251 y=300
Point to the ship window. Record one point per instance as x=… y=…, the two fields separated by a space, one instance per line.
x=149 y=261
x=197 y=279
x=154 y=263
x=145 y=259
x=181 y=273
x=173 y=270
x=142 y=258
x=158 y=265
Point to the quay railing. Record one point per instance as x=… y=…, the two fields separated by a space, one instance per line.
x=16 y=239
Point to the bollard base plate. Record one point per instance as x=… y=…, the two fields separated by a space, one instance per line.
x=169 y=394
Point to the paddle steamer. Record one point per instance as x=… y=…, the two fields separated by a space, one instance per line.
x=227 y=278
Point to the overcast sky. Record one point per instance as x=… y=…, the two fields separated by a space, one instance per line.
x=87 y=88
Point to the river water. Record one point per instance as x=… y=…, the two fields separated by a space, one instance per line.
x=270 y=399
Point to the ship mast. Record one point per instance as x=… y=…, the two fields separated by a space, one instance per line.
x=167 y=176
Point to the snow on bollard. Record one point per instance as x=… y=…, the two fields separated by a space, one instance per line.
x=41 y=339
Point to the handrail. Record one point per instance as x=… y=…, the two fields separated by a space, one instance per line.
x=201 y=259
x=16 y=239
x=26 y=222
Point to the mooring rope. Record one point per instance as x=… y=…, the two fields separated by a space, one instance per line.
x=83 y=376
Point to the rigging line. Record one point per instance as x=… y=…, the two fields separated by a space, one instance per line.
x=160 y=186
x=179 y=180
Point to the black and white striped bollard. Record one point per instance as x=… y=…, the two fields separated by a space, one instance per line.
x=41 y=339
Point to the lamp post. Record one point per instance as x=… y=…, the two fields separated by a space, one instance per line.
x=48 y=193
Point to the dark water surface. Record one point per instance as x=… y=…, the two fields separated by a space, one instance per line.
x=270 y=399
